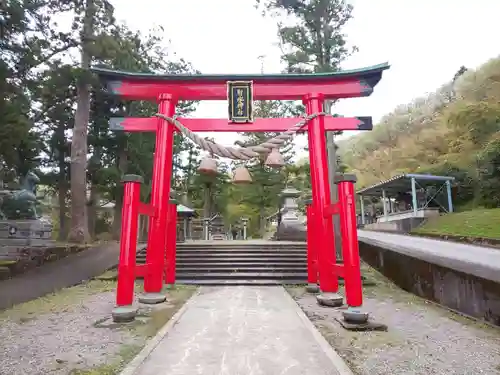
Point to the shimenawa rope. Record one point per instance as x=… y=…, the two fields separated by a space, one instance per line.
x=239 y=153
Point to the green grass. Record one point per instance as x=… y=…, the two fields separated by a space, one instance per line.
x=481 y=223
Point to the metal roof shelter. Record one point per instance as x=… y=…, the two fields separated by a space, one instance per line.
x=408 y=183
x=185 y=211
x=402 y=184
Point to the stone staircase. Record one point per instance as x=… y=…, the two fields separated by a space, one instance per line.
x=239 y=263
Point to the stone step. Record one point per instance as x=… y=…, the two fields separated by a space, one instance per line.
x=219 y=245
x=212 y=260
x=206 y=253
x=243 y=269
x=249 y=256
x=235 y=260
x=260 y=282
x=243 y=275
x=241 y=243
x=242 y=251
x=224 y=265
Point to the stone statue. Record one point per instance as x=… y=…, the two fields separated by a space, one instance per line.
x=21 y=204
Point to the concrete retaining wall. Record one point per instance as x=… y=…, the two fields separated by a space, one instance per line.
x=468 y=294
x=398 y=226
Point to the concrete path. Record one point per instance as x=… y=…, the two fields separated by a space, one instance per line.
x=62 y=273
x=242 y=331
x=476 y=260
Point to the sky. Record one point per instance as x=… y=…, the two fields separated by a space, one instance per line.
x=425 y=41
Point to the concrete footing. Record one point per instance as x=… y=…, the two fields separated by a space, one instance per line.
x=312 y=288
x=124 y=314
x=355 y=315
x=152 y=298
x=355 y=319
x=330 y=299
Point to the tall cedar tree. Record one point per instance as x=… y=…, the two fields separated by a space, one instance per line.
x=315 y=42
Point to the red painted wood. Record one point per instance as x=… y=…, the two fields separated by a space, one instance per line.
x=318 y=159
x=128 y=244
x=339 y=270
x=160 y=191
x=332 y=209
x=333 y=88
x=141 y=270
x=149 y=124
x=146 y=209
x=350 y=246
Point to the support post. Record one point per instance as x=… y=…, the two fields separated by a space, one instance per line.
x=128 y=249
x=245 y=224
x=185 y=225
x=352 y=271
x=414 y=195
x=190 y=227
x=171 y=251
x=328 y=281
x=384 y=203
x=160 y=190
x=206 y=234
x=450 y=198
x=362 y=204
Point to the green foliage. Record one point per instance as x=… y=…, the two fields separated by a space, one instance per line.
x=489 y=173
x=210 y=193
x=312 y=38
x=479 y=120
x=39 y=87
x=464 y=185
x=453 y=131
x=261 y=198
x=315 y=41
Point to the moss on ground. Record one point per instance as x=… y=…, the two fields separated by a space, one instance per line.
x=6 y=263
x=480 y=223
x=56 y=302
x=152 y=321
x=126 y=354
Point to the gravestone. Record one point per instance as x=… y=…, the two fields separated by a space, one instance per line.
x=291 y=225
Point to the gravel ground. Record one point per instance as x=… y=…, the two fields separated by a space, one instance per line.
x=422 y=339
x=72 y=335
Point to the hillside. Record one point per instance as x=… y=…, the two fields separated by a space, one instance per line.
x=452 y=131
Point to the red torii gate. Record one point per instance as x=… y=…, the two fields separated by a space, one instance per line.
x=167 y=90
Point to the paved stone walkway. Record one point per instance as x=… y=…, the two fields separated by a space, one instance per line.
x=241 y=331
x=59 y=274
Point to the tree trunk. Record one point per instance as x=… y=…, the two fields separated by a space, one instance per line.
x=95 y=198
x=332 y=170
x=63 y=221
x=62 y=186
x=262 y=220
x=117 y=215
x=79 y=232
x=92 y=210
x=207 y=203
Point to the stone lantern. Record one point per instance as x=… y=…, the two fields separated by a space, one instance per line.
x=291 y=226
